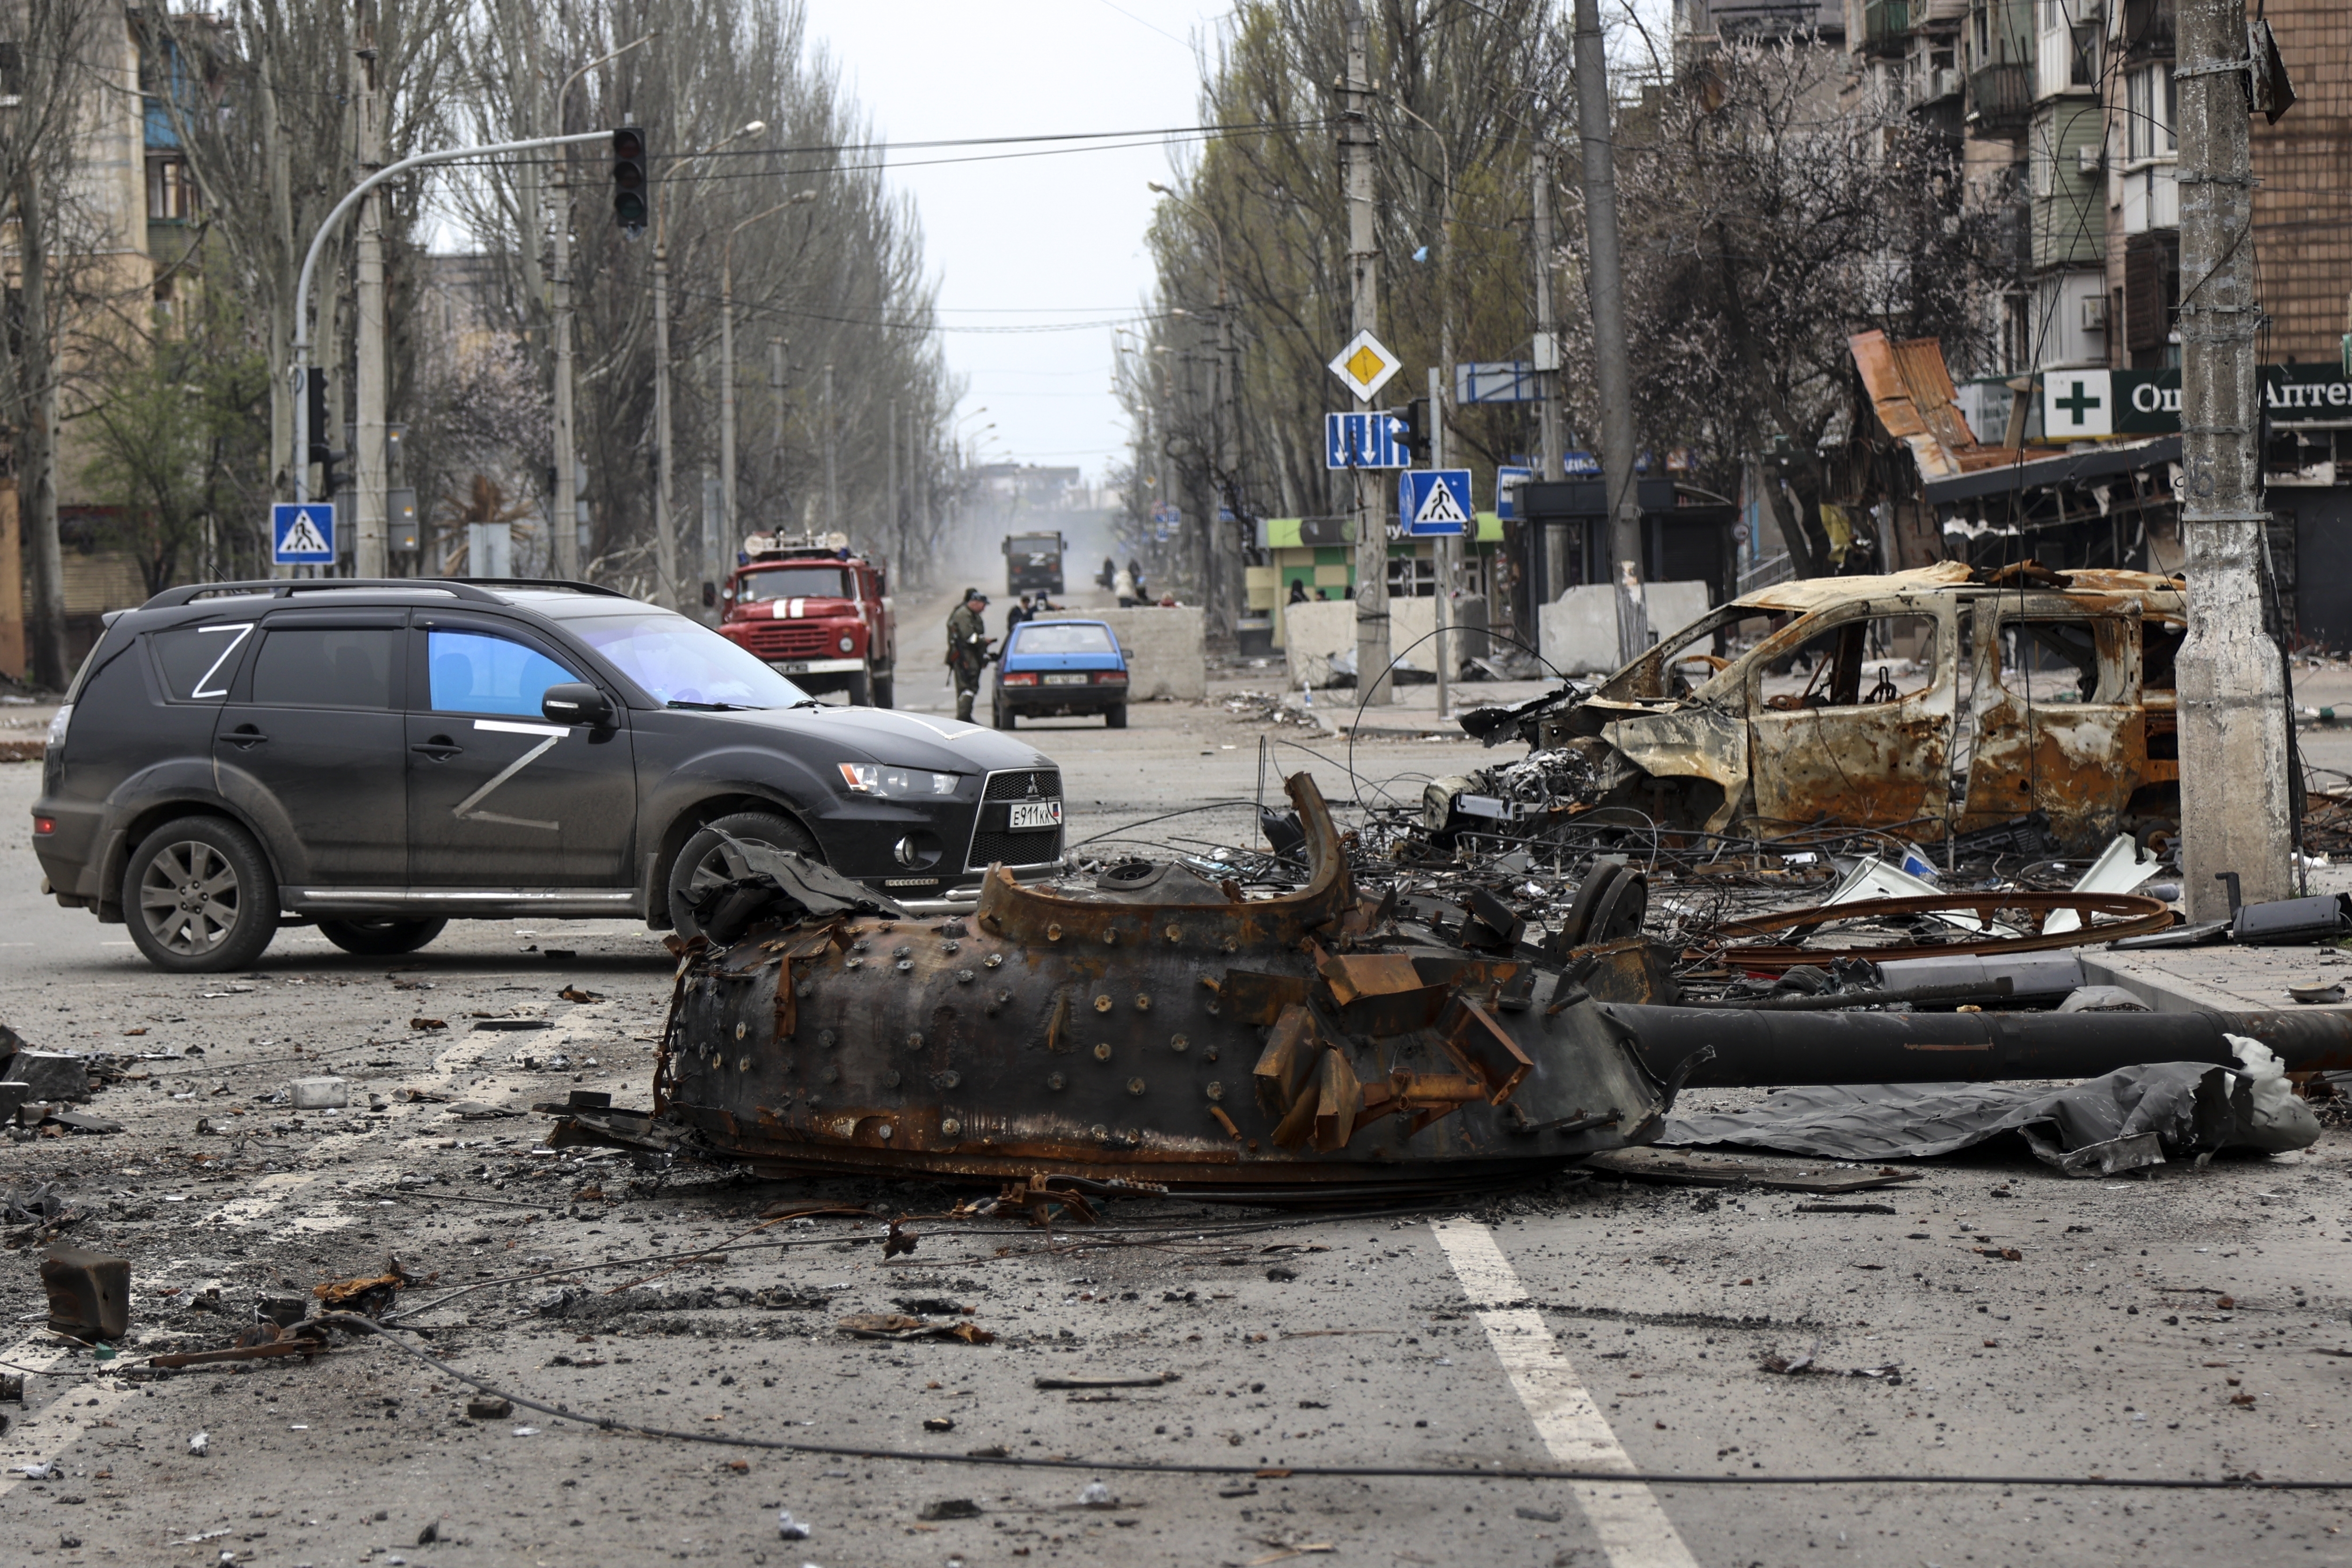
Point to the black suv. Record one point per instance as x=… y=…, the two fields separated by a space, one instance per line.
x=381 y=756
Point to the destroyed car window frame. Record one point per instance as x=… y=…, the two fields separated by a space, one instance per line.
x=1660 y=656
x=1754 y=665
x=2114 y=668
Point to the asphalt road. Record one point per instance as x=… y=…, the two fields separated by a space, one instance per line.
x=1598 y=1326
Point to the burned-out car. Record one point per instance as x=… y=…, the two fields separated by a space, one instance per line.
x=1941 y=700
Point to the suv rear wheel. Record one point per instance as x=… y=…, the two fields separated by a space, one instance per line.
x=381 y=938
x=708 y=859
x=199 y=896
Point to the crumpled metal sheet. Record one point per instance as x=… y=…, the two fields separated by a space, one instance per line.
x=2132 y=1117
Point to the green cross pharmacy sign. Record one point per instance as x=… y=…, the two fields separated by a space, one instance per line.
x=2098 y=405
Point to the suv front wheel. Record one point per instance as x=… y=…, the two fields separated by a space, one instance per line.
x=199 y=896
x=708 y=860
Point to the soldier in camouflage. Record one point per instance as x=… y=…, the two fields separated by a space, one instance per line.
x=968 y=651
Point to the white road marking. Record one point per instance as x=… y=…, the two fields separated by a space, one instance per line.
x=38 y=1438
x=1633 y=1529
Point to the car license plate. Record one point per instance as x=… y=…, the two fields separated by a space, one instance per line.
x=793 y=666
x=1036 y=814
x=1072 y=680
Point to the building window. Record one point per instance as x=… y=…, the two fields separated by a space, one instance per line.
x=2150 y=102
x=171 y=195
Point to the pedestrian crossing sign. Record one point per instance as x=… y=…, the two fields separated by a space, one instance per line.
x=1434 y=501
x=303 y=535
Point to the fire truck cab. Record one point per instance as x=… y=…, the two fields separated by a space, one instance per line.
x=815 y=612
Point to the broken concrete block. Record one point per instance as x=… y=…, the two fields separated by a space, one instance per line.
x=89 y=1294
x=51 y=1074
x=319 y=1093
x=490 y=1407
x=13 y=1096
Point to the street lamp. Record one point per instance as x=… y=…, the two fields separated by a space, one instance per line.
x=665 y=532
x=565 y=542
x=727 y=361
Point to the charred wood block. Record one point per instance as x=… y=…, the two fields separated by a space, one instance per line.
x=89 y=1294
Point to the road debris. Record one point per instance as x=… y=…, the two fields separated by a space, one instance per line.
x=89 y=1294
x=1170 y=1035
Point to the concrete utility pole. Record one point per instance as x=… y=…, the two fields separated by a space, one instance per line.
x=1545 y=356
x=665 y=530
x=1443 y=549
x=727 y=362
x=832 y=474
x=567 y=444
x=1357 y=141
x=889 y=532
x=372 y=476
x=1605 y=289
x=2232 y=690
x=776 y=400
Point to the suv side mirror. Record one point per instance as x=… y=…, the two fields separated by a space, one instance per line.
x=576 y=702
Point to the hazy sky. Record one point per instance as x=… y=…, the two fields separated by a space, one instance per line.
x=1030 y=240
x=1036 y=242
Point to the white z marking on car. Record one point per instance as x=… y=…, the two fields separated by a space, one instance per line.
x=465 y=812
x=234 y=644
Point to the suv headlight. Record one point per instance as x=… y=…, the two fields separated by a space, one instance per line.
x=896 y=783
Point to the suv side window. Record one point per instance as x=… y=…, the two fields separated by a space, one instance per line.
x=475 y=671
x=199 y=661
x=325 y=666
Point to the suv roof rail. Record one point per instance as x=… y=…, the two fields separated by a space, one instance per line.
x=595 y=588
x=286 y=588
x=472 y=590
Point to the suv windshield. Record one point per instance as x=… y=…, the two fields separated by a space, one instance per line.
x=1053 y=638
x=680 y=661
x=797 y=582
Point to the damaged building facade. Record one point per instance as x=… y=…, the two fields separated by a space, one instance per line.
x=2063 y=448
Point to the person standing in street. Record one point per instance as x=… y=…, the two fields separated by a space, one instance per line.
x=1123 y=584
x=968 y=654
x=1019 y=611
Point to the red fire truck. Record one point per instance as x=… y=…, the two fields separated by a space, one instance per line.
x=815 y=613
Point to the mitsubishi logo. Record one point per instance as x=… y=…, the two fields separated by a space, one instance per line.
x=1033 y=787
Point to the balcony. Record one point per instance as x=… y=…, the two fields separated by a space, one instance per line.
x=1934 y=85
x=2000 y=96
x=1886 y=25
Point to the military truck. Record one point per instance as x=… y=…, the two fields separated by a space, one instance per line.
x=1033 y=563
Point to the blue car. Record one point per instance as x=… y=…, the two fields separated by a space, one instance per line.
x=1055 y=668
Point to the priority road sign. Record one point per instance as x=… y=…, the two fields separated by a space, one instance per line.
x=1434 y=501
x=303 y=535
x=1363 y=440
x=1366 y=365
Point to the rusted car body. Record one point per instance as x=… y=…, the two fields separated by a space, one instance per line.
x=1924 y=701
x=1164 y=1031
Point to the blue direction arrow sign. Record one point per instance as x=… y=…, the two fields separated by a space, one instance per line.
x=1363 y=440
x=303 y=535
x=1434 y=501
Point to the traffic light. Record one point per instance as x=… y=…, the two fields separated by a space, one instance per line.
x=1414 y=437
x=322 y=451
x=632 y=197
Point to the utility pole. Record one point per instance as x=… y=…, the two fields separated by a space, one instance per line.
x=1357 y=142
x=776 y=399
x=371 y=479
x=37 y=439
x=1438 y=545
x=665 y=530
x=889 y=531
x=2234 y=790
x=1228 y=591
x=1553 y=541
x=832 y=486
x=565 y=544
x=1604 y=280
